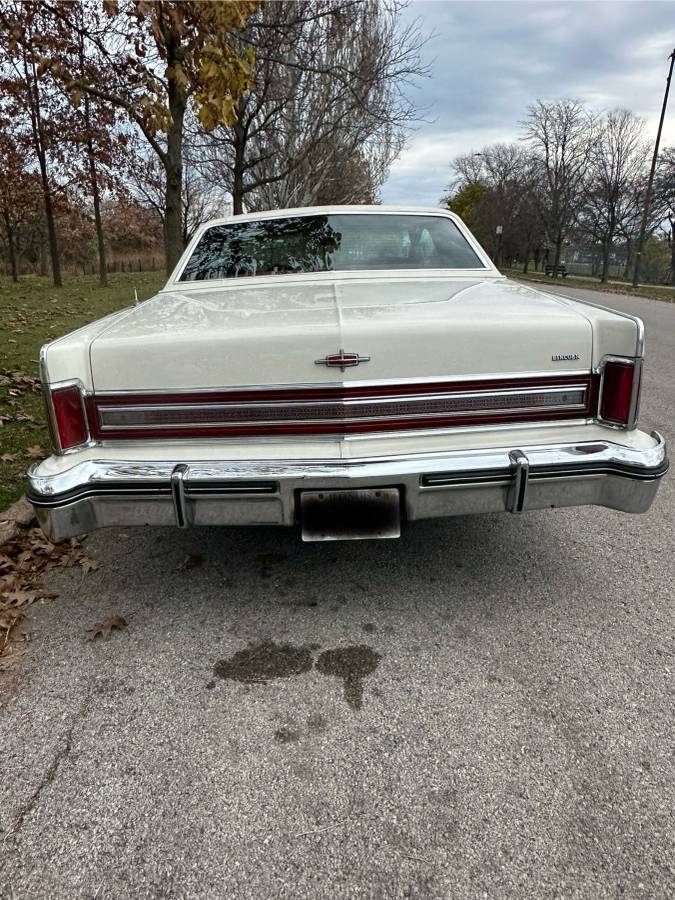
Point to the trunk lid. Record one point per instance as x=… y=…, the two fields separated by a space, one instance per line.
x=215 y=336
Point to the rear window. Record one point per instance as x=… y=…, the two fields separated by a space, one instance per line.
x=330 y=243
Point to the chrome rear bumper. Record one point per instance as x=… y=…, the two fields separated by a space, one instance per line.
x=101 y=493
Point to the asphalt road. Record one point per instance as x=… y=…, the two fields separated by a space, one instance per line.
x=507 y=730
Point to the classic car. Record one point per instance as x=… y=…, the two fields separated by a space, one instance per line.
x=342 y=369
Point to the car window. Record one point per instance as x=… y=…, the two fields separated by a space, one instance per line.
x=329 y=243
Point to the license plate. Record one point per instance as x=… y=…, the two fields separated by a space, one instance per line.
x=350 y=515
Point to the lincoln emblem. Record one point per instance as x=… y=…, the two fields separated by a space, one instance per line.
x=341 y=360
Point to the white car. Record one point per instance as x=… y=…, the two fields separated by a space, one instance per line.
x=342 y=368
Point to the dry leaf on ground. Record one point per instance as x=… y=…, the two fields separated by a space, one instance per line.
x=104 y=628
x=88 y=564
x=35 y=452
x=26 y=556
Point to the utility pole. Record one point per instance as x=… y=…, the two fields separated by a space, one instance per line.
x=650 y=183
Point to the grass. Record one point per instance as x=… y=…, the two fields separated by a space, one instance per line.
x=650 y=291
x=32 y=313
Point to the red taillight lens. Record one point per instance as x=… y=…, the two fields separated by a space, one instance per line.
x=69 y=418
x=617 y=392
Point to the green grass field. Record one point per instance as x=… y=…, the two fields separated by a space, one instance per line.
x=32 y=313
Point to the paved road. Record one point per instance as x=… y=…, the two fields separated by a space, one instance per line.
x=509 y=732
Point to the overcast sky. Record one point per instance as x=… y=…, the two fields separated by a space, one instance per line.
x=490 y=59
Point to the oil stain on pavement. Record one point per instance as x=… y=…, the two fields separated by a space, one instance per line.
x=263 y=662
x=352 y=664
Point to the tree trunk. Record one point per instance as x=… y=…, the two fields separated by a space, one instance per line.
x=102 y=261
x=51 y=224
x=628 y=268
x=558 y=251
x=11 y=248
x=40 y=151
x=42 y=258
x=238 y=171
x=173 y=167
x=93 y=181
x=604 y=274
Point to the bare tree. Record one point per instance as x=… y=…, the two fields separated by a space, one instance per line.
x=616 y=165
x=503 y=212
x=330 y=87
x=28 y=98
x=664 y=201
x=560 y=137
x=201 y=199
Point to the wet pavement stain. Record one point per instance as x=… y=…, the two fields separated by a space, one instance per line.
x=352 y=664
x=286 y=735
x=263 y=662
x=268 y=562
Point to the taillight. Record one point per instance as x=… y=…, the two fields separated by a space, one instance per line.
x=69 y=421
x=620 y=391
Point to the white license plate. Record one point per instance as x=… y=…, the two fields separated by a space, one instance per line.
x=350 y=515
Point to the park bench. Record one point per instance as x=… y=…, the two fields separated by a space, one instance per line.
x=554 y=271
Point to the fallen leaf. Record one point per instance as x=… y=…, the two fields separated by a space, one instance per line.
x=9 y=457
x=104 y=628
x=88 y=564
x=21 y=598
x=10 y=617
x=35 y=452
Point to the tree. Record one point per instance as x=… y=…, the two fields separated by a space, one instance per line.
x=201 y=199
x=616 y=165
x=328 y=91
x=151 y=61
x=19 y=195
x=560 y=138
x=493 y=189
x=27 y=96
x=466 y=202
x=664 y=201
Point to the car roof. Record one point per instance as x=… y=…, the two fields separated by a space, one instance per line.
x=331 y=210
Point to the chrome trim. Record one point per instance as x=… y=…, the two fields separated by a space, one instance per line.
x=320 y=385
x=639 y=324
x=521 y=468
x=338 y=434
x=349 y=401
x=334 y=406
x=179 y=442
x=344 y=361
x=178 y=494
x=99 y=493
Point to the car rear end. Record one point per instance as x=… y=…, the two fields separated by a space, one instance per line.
x=344 y=403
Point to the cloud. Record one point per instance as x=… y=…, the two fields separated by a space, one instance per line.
x=491 y=59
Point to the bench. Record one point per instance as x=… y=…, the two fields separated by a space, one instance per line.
x=554 y=271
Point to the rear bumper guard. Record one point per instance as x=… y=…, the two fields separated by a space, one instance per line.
x=101 y=493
